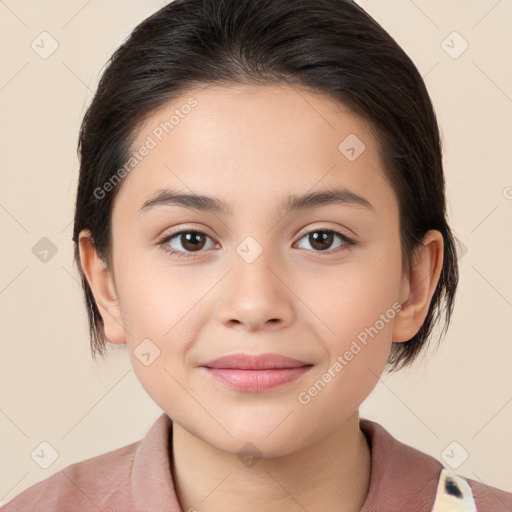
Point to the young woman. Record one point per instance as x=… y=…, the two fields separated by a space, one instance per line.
x=261 y=219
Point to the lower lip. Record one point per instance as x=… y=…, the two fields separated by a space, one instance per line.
x=256 y=380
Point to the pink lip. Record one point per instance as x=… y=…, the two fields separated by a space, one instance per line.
x=255 y=373
x=256 y=362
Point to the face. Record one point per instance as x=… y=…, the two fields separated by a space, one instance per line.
x=319 y=282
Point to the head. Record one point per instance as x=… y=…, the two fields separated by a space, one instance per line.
x=234 y=100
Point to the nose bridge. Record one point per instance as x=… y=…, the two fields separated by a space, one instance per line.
x=252 y=265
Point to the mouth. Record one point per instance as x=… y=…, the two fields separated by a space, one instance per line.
x=255 y=373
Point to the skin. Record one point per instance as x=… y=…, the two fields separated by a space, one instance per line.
x=251 y=147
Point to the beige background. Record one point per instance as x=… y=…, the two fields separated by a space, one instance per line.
x=51 y=390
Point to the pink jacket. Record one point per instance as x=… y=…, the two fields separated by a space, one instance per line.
x=137 y=477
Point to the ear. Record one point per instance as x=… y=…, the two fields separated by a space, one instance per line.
x=103 y=288
x=417 y=289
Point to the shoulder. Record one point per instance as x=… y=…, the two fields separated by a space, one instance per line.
x=489 y=498
x=134 y=477
x=405 y=478
x=456 y=492
x=98 y=483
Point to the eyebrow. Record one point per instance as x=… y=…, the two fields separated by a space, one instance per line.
x=340 y=196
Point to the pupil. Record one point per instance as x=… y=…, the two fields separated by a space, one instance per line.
x=192 y=238
x=319 y=240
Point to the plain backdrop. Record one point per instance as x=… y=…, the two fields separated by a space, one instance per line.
x=455 y=404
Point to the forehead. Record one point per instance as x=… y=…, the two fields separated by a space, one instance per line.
x=255 y=144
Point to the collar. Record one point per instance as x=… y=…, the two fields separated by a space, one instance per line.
x=402 y=477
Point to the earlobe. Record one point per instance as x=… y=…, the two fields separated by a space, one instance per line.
x=103 y=288
x=418 y=289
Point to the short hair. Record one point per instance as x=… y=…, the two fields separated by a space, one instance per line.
x=329 y=46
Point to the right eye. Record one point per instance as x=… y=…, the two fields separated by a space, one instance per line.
x=193 y=241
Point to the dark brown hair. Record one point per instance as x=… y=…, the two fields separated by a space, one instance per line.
x=329 y=46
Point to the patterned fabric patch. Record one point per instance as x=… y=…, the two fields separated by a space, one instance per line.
x=453 y=494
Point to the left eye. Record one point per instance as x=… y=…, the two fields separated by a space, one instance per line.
x=323 y=238
x=194 y=241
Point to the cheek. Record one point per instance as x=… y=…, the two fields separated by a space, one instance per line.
x=161 y=325
x=160 y=310
x=359 y=310
x=359 y=295
x=360 y=317
x=153 y=298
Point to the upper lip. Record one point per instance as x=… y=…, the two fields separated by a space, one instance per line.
x=255 y=362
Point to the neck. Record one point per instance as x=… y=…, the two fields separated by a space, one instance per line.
x=331 y=475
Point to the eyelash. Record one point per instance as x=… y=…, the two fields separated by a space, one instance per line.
x=348 y=242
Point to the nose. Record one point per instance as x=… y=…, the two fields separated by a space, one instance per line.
x=254 y=295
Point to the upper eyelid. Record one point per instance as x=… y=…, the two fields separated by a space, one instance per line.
x=342 y=231
x=303 y=231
